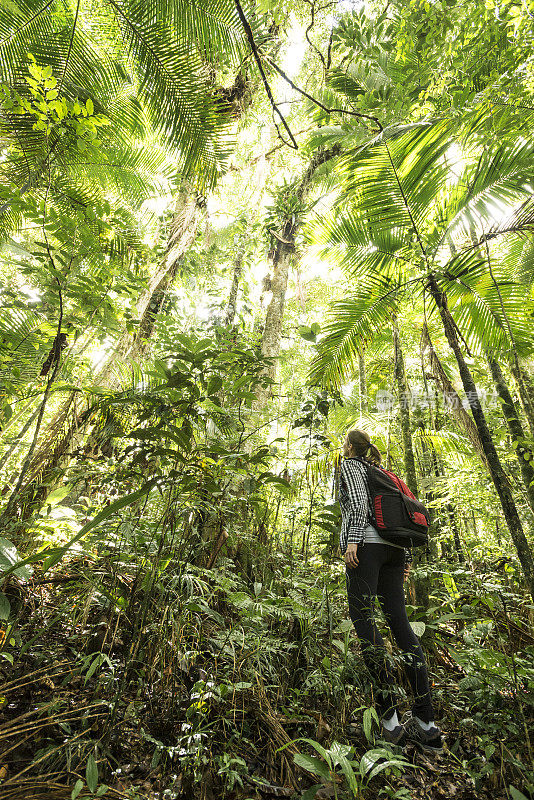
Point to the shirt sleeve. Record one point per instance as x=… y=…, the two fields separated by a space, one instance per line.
x=358 y=500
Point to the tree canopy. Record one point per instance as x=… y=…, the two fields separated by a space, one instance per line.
x=231 y=231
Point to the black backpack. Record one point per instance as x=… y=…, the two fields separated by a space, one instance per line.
x=397 y=514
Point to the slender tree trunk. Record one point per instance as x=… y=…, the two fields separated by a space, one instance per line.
x=16 y=439
x=272 y=332
x=450 y=507
x=524 y=454
x=183 y=230
x=64 y=432
x=430 y=553
x=238 y=271
x=404 y=412
x=497 y=473
x=527 y=400
x=420 y=556
x=68 y=425
x=456 y=533
x=452 y=513
x=364 y=405
x=454 y=400
x=282 y=254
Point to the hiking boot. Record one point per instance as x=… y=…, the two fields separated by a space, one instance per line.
x=397 y=736
x=428 y=741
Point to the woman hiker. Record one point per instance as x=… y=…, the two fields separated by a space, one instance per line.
x=377 y=568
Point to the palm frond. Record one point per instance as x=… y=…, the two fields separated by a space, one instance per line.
x=348 y=239
x=491 y=185
x=478 y=303
x=349 y=325
x=25 y=341
x=165 y=61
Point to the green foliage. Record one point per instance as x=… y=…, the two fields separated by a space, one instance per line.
x=397 y=230
x=173 y=611
x=159 y=66
x=10 y=561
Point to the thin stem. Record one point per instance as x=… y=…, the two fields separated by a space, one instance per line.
x=250 y=37
x=67 y=59
x=318 y=102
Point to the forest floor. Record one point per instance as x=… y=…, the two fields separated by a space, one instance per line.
x=125 y=691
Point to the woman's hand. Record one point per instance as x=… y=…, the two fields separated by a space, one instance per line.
x=351 y=555
x=407 y=568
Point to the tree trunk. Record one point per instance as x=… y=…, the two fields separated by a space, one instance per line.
x=68 y=425
x=420 y=556
x=62 y=434
x=497 y=473
x=183 y=230
x=524 y=454
x=238 y=271
x=430 y=553
x=272 y=332
x=364 y=405
x=404 y=412
x=527 y=401
x=282 y=253
x=16 y=439
x=458 y=411
x=456 y=533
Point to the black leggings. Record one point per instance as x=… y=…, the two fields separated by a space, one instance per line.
x=380 y=572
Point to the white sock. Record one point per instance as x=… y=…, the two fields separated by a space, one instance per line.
x=392 y=723
x=425 y=725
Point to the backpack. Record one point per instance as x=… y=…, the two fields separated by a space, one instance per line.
x=397 y=514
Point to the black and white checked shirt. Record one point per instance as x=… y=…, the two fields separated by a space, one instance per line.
x=356 y=503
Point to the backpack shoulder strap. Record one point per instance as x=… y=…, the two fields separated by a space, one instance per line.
x=400 y=484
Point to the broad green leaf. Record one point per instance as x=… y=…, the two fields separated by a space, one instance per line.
x=516 y=794
x=58 y=495
x=450 y=585
x=348 y=772
x=307 y=333
x=9 y=561
x=418 y=628
x=320 y=749
x=368 y=715
x=380 y=758
x=312 y=764
x=91 y=773
x=98 y=660
x=5 y=606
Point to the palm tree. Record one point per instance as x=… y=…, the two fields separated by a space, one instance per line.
x=400 y=205
x=142 y=65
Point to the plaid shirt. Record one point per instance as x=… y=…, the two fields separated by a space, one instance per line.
x=356 y=504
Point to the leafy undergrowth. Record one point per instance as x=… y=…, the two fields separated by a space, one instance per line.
x=203 y=684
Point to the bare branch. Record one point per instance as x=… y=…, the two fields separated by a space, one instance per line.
x=250 y=37
x=321 y=105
